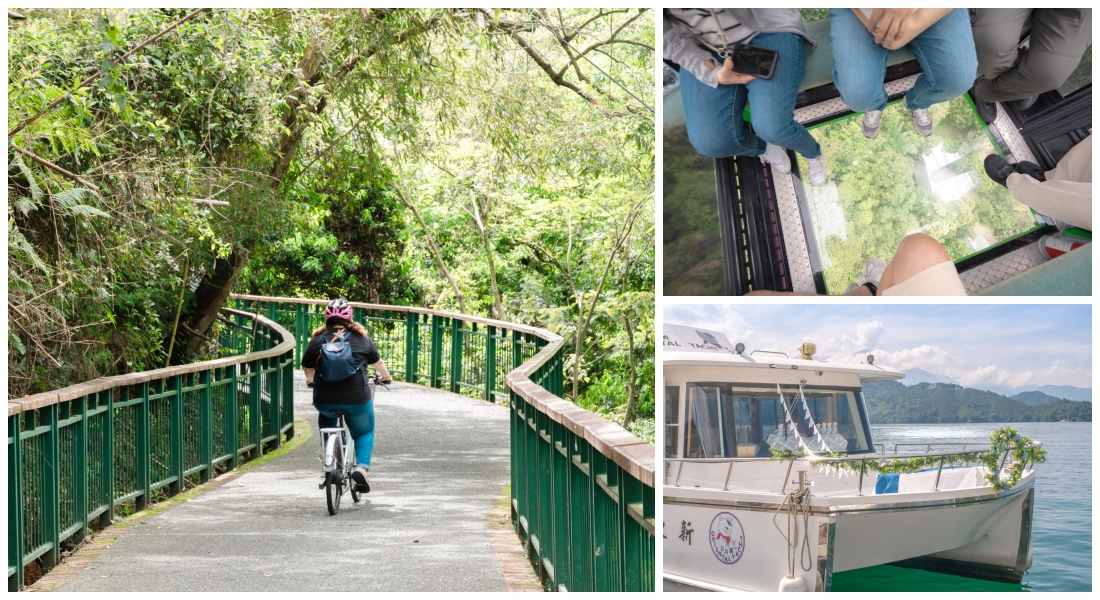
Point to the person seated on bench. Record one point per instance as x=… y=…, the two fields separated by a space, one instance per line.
x=1063 y=193
x=714 y=95
x=921 y=267
x=940 y=38
x=1059 y=38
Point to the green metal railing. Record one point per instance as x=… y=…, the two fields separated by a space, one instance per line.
x=76 y=453
x=582 y=487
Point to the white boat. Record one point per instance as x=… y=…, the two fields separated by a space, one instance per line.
x=726 y=524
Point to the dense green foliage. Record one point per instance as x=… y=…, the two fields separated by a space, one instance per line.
x=471 y=160
x=891 y=402
x=692 y=240
x=878 y=200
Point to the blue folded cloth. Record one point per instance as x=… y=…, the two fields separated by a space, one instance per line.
x=887 y=484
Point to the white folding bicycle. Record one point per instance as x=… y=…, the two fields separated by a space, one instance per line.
x=339 y=457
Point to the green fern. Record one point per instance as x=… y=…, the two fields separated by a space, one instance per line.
x=69 y=203
x=36 y=192
x=25 y=205
x=16 y=241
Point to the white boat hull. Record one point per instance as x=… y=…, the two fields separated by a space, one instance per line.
x=975 y=532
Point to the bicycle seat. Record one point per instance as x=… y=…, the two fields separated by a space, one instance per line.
x=338 y=411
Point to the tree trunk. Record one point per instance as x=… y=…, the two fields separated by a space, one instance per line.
x=481 y=220
x=435 y=251
x=213 y=292
x=631 y=382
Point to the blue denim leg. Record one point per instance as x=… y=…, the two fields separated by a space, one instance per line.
x=772 y=100
x=859 y=64
x=713 y=117
x=947 y=56
x=360 y=423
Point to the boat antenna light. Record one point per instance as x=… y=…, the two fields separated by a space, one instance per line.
x=739 y=348
x=807 y=350
x=870 y=359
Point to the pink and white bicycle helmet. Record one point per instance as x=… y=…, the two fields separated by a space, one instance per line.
x=338 y=308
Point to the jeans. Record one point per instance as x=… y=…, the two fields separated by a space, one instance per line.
x=713 y=115
x=360 y=422
x=945 y=52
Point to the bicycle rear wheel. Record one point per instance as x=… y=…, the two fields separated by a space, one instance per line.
x=334 y=481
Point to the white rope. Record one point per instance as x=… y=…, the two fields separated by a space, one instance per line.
x=798 y=500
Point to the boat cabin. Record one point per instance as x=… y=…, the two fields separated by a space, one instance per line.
x=721 y=403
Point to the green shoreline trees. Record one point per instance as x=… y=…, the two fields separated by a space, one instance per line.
x=462 y=159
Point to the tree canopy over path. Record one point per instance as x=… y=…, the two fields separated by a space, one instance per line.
x=497 y=162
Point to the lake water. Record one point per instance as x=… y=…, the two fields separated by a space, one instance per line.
x=1062 y=529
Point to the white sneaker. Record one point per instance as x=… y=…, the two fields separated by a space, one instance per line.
x=872 y=119
x=778 y=158
x=818 y=173
x=872 y=273
x=922 y=121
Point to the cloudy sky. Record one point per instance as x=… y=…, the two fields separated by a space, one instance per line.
x=1009 y=345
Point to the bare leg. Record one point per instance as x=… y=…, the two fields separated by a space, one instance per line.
x=915 y=253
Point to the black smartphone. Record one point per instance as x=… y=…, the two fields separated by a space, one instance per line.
x=754 y=60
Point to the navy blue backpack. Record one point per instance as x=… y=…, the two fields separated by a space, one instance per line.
x=335 y=362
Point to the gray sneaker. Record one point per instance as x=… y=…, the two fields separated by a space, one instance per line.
x=922 y=121
x=872 y=119
x=872 y=273
x=360 y=479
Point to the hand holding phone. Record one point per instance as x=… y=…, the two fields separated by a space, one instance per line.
x=727 y=76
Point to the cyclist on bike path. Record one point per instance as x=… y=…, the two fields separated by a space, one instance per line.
x=352 y=394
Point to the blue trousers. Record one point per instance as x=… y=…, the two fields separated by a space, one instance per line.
x=713 y=115
x=360 y=422
x=945 y=52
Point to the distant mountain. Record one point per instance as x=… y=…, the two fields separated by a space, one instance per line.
x=1034 y=398
x=918 y=375
x=1068 y=392
x=889 y=402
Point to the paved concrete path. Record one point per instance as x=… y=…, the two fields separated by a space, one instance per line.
x=440 y=464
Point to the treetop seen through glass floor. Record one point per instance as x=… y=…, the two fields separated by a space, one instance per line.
x=880 y=190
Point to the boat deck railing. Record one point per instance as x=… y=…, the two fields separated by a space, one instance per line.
x=861 y=459
x=928 y=446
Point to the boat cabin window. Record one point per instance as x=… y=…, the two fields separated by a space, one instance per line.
x=672 y=419
x=728 y=420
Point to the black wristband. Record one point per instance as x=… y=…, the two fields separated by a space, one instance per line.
x=872 y=287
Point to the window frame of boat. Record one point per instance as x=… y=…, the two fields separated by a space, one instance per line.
x=676 y=438
x=687 y=405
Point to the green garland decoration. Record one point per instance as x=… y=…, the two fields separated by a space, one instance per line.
x=1008 y=440
x=1005 y=439
x=782 y=455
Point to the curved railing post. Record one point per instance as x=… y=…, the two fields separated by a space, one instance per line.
x=490 y=362
x=412 y=346
x=437 y=351
x=456 y=354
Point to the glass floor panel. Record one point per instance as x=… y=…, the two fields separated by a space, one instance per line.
x=692 y=239
x=898 y=183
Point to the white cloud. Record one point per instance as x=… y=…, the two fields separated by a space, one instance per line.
x=992 y=375
x=1056 y=374
x=868 y=335
x=721 y=318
